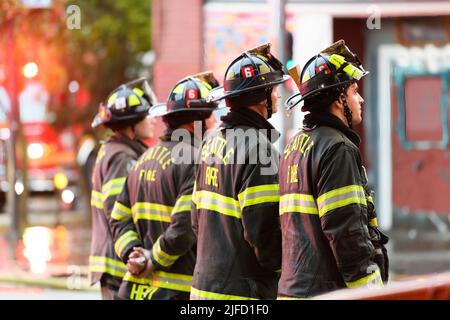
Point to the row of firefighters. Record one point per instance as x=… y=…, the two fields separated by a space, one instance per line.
x=213 y=215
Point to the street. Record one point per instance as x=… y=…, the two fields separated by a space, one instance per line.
x=411 y=254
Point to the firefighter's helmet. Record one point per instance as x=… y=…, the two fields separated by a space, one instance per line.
x=333 y=68
x=189 y=95
x=126 y=105
x=252 y=70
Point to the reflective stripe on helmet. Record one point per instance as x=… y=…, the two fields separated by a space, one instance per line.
x=138 y=91
x=349 y=69
x=133 y=100
x=112 y=99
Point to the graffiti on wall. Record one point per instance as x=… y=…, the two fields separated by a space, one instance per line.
x=230 y=32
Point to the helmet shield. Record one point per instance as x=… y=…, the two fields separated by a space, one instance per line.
x=254 y=69
x=127 y=104
x=143 y=84
x=189 y=94
x=340 y=48
x=333 y=67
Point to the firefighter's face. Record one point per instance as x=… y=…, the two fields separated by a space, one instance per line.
x=211 y=123
x=275 y=99
x=145 y=128
x=355 y=103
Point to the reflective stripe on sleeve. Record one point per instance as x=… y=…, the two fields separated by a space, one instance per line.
x=162 y=257
x=107 y=265
x=183 y=203
x=96 y=199
x=151 y=211
x=206 y=295
x=124 y=240
x=259 y=194
x=113 y=187
x=218 y=203
x=372 y=280
x=120 y=212
x=299 y=203
x=341 y=197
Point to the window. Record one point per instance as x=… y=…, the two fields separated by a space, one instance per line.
x=423 y=109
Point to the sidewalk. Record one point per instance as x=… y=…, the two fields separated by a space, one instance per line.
x=415 y=252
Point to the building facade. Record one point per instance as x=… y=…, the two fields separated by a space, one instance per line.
x=404 y=43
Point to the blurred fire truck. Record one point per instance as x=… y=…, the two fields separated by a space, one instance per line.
x=4 y=145
x=51 y=153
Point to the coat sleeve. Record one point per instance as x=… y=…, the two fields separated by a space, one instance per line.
x=259 y=201
x=179 y=237
x=343 y=214
x=121 y=222
x=194 y=211
x=114 y=180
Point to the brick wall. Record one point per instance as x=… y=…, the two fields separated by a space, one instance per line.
x=177 y=40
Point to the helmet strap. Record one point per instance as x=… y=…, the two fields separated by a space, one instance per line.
x=269 y=102
x=133 y=129
x=203 y=127
x=347 y=111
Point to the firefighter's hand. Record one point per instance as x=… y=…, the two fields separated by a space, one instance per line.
x=139 y=263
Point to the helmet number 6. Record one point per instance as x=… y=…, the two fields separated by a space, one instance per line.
x=247 y=72
x=191 y=94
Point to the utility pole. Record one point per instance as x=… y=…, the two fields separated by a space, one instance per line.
x=277 y=35
x=13 y=201
x=16 y=202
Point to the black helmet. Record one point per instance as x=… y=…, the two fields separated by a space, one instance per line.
x=126 y=105
x=253 y=69
x=333 y=68
x=189 y=95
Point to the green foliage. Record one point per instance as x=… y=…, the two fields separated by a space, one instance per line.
x=101 y=55
x=105 y=51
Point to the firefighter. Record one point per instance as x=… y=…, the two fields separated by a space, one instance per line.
x=127 y=115
x=330 y=237
x=236 y=197
x=151 y=219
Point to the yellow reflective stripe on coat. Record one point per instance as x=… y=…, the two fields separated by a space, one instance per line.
x=124 y=240
x=373 y=280
x=151 y=211
x=107 y=265
x=130 y=278
x=183 y=203
x=120 y=212
x=113 y=187
x=162 y=257
x=217 y=202
x=341 y=197
x=259 y=194
x=96 y=199
x=299 y=203
x=173 y=281
x=206 y=295
x=161 y=279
